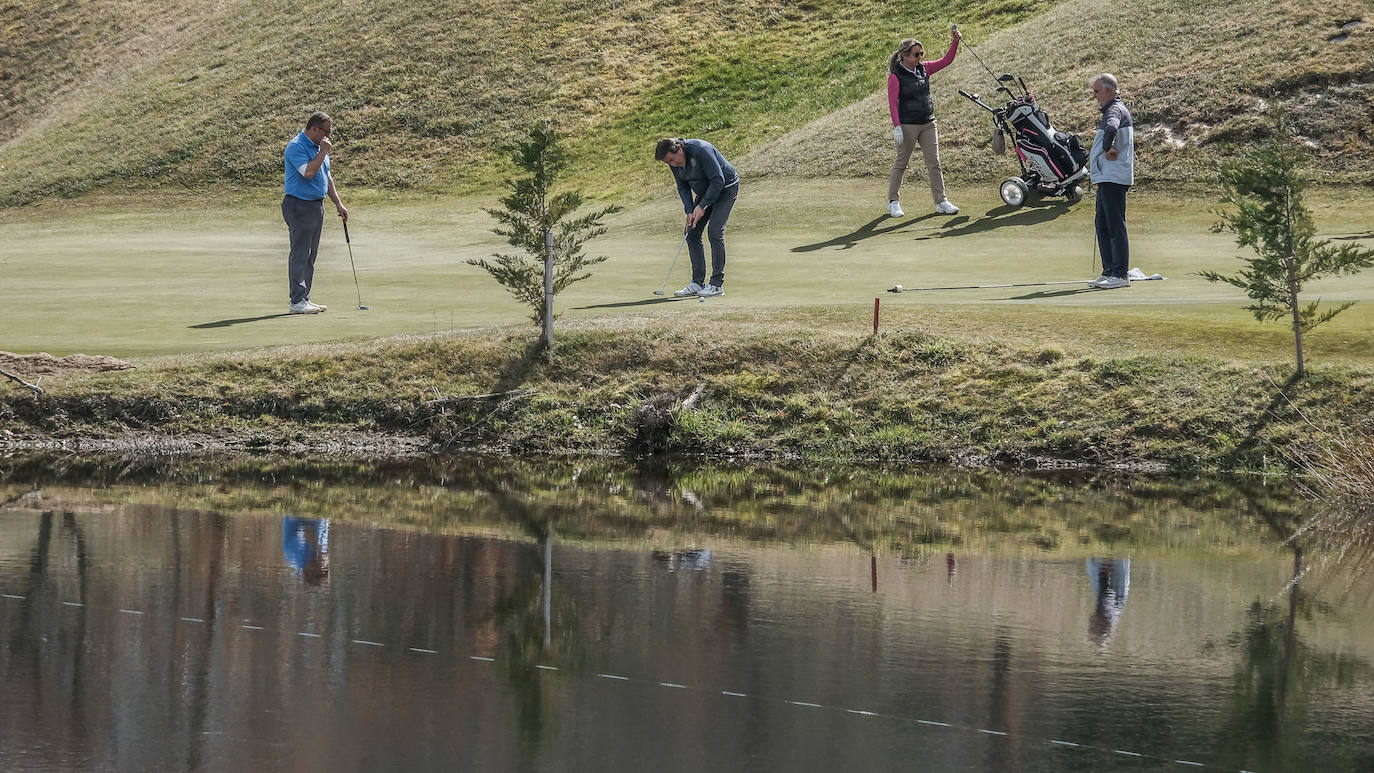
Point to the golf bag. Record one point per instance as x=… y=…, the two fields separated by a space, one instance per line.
x=1052 y=162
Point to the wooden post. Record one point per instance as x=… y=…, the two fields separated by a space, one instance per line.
x=875 y=316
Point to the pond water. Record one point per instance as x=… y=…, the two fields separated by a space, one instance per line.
x=475 y=614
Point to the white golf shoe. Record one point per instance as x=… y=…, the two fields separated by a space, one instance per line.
x=1099 y=281
x=305 y=307
x=946 y=208
x=691 y=289
x=894 y=208
x=319 y=306
x=711 y=291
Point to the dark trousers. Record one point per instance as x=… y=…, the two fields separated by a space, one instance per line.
x=304 y=220
x=713 y=223
x=1111 y=229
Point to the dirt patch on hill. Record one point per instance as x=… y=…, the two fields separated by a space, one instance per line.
x=44 y=364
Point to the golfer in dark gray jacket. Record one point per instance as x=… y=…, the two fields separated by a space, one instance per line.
x=708 y=186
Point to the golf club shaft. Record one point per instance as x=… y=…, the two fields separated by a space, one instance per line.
x=992 y=74
x=351 y=264
x=673 y=265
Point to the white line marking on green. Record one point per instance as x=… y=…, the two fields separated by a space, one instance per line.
x=991 y=732
x=72 y=604
x=937 y=724
x=1190 y=762
x=1063 y=743
x=1128 y=754
x=253 y=627
x=424 y=651
x=673 y=685
x=367 y=643
x=192 y=620
x=479 y=657
x=546 y=668
x=733 y=694
x=12 y=596
x=804 y=703
x=131 y=611
x=861 y=713
x=308 y=635
x=613 y=676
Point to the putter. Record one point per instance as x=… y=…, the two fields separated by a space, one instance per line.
x=659 y=291
x=349 y=242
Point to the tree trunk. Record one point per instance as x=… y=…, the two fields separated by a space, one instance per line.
x=1293 y=279
x=548 y=289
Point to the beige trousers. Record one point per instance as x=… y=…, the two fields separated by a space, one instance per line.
x=925 y=134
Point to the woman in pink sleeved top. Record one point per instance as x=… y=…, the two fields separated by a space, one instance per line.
x=913 y=119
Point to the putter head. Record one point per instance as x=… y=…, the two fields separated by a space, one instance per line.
x=658 y=292
x=364 y=308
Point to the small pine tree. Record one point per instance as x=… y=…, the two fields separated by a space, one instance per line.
x=531 y=215
x=1266 y=190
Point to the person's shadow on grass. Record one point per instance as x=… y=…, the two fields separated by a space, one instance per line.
x=1031 y=213
x=645 y=302
x=239 y=321
x=866 y=231
x=1043 y=294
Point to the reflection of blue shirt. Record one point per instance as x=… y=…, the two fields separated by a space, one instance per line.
x=295 y=539
x=300 y=151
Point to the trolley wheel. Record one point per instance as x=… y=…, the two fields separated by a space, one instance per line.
x=1075 y=194
x=1014 y=191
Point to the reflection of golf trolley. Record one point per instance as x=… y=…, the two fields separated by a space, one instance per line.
x=1052 y=162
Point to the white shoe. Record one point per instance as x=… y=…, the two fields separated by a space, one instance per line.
x=305 y=307
x=946 y=208
x=1113 y=282
x=691 y=289
x=1098 y=282
x=319 y=306
x=711 y=291
x=894 y=208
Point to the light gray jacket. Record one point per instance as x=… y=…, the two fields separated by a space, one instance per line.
x=1117 y=130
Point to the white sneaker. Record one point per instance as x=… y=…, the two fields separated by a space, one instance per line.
x=691 y=289
x=711 y=291
x=319 y=306
x=946 y=208
x=305 y=307
x=1113 y=282
x=1098 y=282
x=894 y=208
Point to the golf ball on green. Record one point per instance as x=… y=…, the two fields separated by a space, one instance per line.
x=701 y=300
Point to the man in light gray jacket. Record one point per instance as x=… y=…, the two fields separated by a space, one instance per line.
x=1111 y=162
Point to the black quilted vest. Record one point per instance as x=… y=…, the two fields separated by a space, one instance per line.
x=914 y=104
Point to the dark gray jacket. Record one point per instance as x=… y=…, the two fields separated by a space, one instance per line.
x=706 y=174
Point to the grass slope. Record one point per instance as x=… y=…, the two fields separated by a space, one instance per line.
x=205 y=93
x=1200 y=76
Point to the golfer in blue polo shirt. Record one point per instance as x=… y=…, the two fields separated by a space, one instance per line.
x=307 y=183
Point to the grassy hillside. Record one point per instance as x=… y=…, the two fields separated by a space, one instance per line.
x=1201 y=77
x=201 y=92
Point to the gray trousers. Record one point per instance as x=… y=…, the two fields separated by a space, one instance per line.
x=304 y=220
x=712 y=221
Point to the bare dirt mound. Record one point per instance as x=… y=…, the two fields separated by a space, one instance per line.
x=44 y=364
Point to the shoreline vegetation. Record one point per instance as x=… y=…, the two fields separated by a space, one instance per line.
x=762 y=392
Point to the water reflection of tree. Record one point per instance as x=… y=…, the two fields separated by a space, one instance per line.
x=1279 y=675
x=536 y=627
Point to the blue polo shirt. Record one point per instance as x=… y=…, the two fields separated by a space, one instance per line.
x=300 y=151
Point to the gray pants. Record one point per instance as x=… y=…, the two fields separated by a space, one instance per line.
x=713 y=221
x=304 y=220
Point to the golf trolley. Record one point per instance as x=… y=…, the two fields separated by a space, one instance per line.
x=1052 y=162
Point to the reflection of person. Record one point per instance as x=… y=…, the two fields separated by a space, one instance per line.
x=702 y=172
x=1111 y=583
x=307 y=183
x=305 y=545
x=1111 y=162
x=913 y=119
